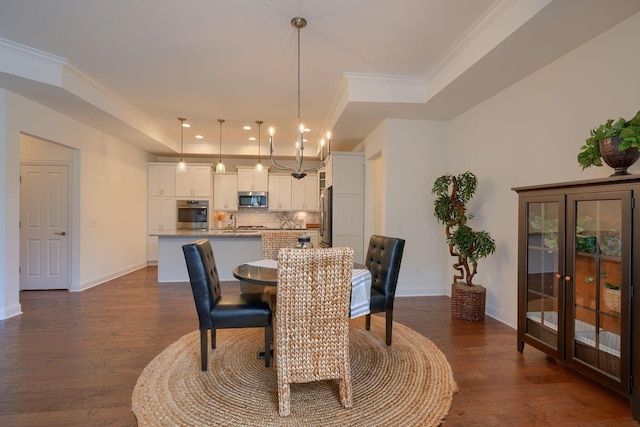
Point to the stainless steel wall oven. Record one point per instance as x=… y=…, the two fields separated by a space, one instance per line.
x=192 y=215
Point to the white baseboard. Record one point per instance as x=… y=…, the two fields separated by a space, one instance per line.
x=110 y=276
x=11 y=311
x=422 y=291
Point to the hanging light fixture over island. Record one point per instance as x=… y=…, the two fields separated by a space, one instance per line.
x=220 y=166
x=182 y=166
x=259 y=166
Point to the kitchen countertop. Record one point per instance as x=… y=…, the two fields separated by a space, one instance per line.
x=227 y=232
x=230 y=249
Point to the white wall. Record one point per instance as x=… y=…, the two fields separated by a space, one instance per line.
x=528 y=134
x=109 y=208
x=9 y=215
x=532 y=132
x=412 y=153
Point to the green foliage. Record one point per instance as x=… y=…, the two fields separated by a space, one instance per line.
x=611 y=286
x=452 y=195
x=472 y=245
x=627 y=130
x=447 y=211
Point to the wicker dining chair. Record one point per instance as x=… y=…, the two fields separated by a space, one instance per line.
x=311 y=324
x=271 y=241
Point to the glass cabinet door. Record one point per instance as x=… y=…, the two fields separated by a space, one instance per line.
x=599 y=229
x=544 y=280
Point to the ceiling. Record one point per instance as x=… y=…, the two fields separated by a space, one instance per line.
x=132 y=67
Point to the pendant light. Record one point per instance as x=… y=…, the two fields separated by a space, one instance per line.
x=182 y=166
x=298 y=23
x=259 y=166
x=220 y=166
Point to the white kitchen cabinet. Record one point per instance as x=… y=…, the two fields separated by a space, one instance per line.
x=279 y=192
x=225 y=192
x=348 y=228
x=328 y=172
x=251 y=180
x=160 y=179
x=345 y=173
x=161 y=217
x=195 y=181
x=304 y=194
x=162 y=214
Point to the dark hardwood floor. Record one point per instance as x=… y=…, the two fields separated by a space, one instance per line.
x=72 y=359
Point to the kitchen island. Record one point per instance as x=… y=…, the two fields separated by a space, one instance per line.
x=230 y=248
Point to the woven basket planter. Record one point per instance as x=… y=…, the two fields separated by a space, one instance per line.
x=612 y=299
x=468 y=302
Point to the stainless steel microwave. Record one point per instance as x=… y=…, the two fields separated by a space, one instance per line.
x=252 y=199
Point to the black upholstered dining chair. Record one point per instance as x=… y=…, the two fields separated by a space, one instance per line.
x=221 y=312
x=384 y=256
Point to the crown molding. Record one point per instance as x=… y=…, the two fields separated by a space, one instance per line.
x=42 y=67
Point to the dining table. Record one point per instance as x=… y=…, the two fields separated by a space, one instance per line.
x=265 y=272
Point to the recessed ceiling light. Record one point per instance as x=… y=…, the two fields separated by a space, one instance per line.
x=252 y=138
x=246 y=127
x=199 y=136
x=186 y=125
x=307 y=130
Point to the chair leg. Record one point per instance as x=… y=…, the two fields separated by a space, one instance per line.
x=389 y=325
x=213 y=338
x=267 y=345
x=344 y=385
x=204 y=348
x=284 y=399
x=367 y=322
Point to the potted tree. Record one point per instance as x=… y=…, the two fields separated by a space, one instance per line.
x=615 y=142
x=467 y=245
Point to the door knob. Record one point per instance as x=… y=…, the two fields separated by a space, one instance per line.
x=62 y=233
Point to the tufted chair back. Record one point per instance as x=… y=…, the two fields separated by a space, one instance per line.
x=203 y=275
x=216 y=311
x=383 y=261
x=384 y=256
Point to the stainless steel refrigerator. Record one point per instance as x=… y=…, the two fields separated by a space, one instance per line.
x=326 y=203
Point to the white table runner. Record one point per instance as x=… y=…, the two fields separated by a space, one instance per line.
x=360 y=287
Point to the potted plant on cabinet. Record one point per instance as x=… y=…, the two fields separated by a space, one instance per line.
x=468 y=245
x=616 y=143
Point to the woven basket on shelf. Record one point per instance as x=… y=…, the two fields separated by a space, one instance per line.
x=468 y=302
x=612 y=299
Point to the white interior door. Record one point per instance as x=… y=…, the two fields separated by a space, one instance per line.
x=44 y=227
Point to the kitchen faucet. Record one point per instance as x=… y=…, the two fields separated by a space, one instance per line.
x=233 y=217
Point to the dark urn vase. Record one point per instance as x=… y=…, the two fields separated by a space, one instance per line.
x=618 y=160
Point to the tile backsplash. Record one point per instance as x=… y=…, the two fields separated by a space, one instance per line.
x=249 y=217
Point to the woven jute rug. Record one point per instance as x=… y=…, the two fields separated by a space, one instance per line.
x=409 y=383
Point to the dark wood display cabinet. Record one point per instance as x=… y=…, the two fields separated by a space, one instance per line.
x=578 y=261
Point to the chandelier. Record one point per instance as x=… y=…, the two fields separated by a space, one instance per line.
x=297 y=172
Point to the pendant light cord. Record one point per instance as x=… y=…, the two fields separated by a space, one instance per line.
x=182 y=119
x=221 y=121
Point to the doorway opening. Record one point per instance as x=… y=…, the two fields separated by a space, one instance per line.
x=45 y=206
